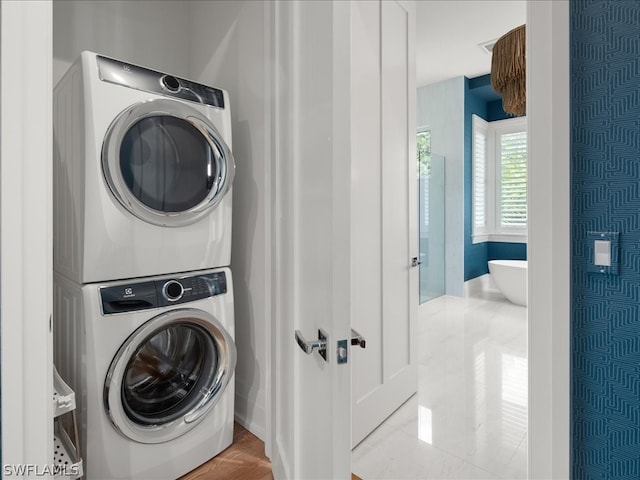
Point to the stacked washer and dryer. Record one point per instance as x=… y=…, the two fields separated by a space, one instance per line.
x=143 y=296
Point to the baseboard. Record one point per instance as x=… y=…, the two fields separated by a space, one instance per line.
x=249 y=409
x=280 y=464
x=480 y=286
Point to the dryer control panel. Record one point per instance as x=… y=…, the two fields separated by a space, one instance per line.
x=130 y=297
x=140 y=78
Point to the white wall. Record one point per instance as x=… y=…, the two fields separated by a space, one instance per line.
x=221 y=44
x=441 y=110
x=148 y=33
x=229 y=51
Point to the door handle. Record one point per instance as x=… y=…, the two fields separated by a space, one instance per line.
x=415 y=262
x=309 y=346
x=357 y=339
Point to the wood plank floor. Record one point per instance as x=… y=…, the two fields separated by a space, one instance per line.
x=243 y=460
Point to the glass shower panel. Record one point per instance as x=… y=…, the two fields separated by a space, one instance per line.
x=431 y=226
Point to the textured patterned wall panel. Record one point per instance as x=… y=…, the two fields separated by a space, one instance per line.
x=605 y=116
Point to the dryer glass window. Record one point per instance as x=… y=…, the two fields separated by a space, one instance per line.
x=168 y=164
x=166 y=375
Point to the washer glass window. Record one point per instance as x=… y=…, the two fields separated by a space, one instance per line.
x=164 y=376
x=168 y=374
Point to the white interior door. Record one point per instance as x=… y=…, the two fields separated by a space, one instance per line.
x=310 y=401
x=384 y=231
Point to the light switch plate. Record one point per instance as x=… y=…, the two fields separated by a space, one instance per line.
x=602 y=255
x=614 y=239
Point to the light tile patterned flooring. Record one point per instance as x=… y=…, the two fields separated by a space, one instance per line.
x=469 y=417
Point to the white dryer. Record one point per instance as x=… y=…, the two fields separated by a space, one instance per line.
x=143 y=173
x=152 y=363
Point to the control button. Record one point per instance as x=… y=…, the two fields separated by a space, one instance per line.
x=170 y=83
x=172 y=290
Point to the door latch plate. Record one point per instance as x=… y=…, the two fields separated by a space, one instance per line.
x=342 y=351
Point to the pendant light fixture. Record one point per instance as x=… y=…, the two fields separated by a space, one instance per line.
x=508 y=71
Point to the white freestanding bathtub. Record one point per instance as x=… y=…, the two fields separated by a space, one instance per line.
x=511 y=278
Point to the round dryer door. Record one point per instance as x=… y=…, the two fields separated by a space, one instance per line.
x=168 y=375
x=166 y=163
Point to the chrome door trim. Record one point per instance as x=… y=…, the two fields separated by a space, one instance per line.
x=113 y=174
x=151 y=434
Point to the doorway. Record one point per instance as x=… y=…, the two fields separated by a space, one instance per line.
x=549 y=234
x=470 y=413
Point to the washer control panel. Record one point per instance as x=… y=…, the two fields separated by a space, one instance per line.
x=130 y=297
x=188 y=289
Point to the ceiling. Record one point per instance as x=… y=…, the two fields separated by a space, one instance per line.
x=448 y=34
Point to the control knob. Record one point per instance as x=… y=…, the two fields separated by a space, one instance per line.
x=170 y=83
x=173 y=290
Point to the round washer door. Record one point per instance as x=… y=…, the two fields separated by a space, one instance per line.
x=168 y=375
x=166 y=163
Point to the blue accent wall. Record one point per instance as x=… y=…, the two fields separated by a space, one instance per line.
x=506 y=251
x=481 y=100
x=495 y=111
x=605 y=180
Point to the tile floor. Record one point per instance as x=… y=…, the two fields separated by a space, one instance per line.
x=469 y=417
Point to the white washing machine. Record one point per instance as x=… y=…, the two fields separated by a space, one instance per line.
x=143 y=173
x=152 y=363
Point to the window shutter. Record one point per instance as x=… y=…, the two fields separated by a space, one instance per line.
x=513 y=180
x=479 y=191
x=480 y=177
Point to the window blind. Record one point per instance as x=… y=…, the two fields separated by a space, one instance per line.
x=513 y=179
x=479 y=176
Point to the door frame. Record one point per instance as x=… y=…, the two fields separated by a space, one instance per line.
x=26 y=238
x=549 y=337
x=310 y=239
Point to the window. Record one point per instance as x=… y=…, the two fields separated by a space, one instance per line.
x=423 y=143
x=513 y=180
x=479 y=191
x=499 y=180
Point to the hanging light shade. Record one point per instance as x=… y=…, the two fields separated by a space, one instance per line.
x=508 y=71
